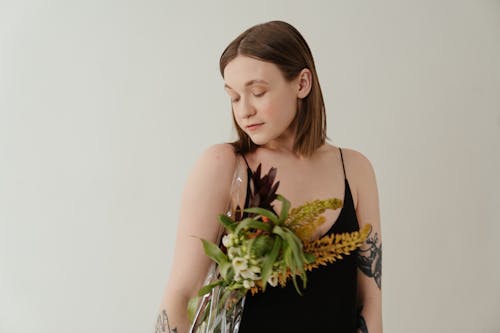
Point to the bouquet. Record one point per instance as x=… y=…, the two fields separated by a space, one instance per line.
x=261 y=248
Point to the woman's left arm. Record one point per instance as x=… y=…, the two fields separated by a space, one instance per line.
x=369 y=256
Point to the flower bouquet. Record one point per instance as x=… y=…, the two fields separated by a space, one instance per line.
x=262 y=247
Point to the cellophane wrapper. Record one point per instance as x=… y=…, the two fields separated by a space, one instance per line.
x=221 y=310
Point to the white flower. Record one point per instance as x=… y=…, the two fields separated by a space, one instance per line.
x=273 y=280
x=237 y=277
x=255 y=269
x=227 y=241
x=248 y=284
x=239 y=264
x=248 y=274
x=233 y=252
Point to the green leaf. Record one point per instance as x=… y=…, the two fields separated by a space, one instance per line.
x=269 y=260
x=279 y=231
x=292 y=254
x=264 y=212
x=290 y=262
x=262 y=245
x=298 y=256
x=251 y=223
x=294 y=279
x=227 y=271
x=192 y=307
x=294 y=257
x=214 y=252
x=206 y=289
x=287 y=257
x=227 y=222
x=310 y=258
x=296 y=246
x=284 y=208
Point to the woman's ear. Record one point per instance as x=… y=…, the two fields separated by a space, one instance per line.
x=304 y=83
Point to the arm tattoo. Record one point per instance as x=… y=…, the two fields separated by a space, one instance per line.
x=370 y=259
x=361 y=322
x=162 y=324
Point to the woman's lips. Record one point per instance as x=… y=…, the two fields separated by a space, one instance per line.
x=254 y=127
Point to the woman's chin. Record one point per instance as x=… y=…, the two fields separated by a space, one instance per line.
x=258 y=141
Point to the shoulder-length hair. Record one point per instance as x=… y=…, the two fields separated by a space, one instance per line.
x=280 y=43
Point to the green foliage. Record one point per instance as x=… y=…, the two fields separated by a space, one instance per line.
x=206 y=289
x=264 y=212
x=226 y=221
x=269 y=261
x=262 y=245
x=214 y=252
x=251 y=223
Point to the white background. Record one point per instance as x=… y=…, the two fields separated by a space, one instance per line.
x=105 y=106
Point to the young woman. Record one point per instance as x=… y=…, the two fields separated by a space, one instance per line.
x=279 y=114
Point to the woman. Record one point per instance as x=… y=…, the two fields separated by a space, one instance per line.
x=279 y=114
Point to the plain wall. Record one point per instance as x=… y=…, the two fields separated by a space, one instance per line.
x=105 y=106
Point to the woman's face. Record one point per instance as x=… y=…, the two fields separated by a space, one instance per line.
x=263 y=102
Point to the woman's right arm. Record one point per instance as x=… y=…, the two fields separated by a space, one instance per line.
x=205 y=196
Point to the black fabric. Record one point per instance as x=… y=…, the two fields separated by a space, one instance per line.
x=328 y=304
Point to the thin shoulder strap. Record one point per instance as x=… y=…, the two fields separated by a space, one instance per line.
x=342 y=158
x=248 y=165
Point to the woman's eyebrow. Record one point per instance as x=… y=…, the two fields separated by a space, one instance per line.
x=249 y=83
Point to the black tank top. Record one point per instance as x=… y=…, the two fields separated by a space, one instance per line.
x=329 y=302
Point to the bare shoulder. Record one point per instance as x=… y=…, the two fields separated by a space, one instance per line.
x=360 y=173
x=358 y=163
x=219 y=157
x=213 y=170
x=208 y=188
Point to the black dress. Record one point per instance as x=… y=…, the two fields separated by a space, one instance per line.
x=328 y=304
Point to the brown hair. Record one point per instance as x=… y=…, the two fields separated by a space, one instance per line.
x=280 y=43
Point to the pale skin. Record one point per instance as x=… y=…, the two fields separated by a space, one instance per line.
x=260 y=94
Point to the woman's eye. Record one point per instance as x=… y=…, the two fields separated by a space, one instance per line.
x=259 y=94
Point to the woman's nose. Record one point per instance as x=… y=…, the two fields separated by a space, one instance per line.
x=245 y=109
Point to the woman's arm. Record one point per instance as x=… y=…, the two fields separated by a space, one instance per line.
x=205 y=196
x=369 y=256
